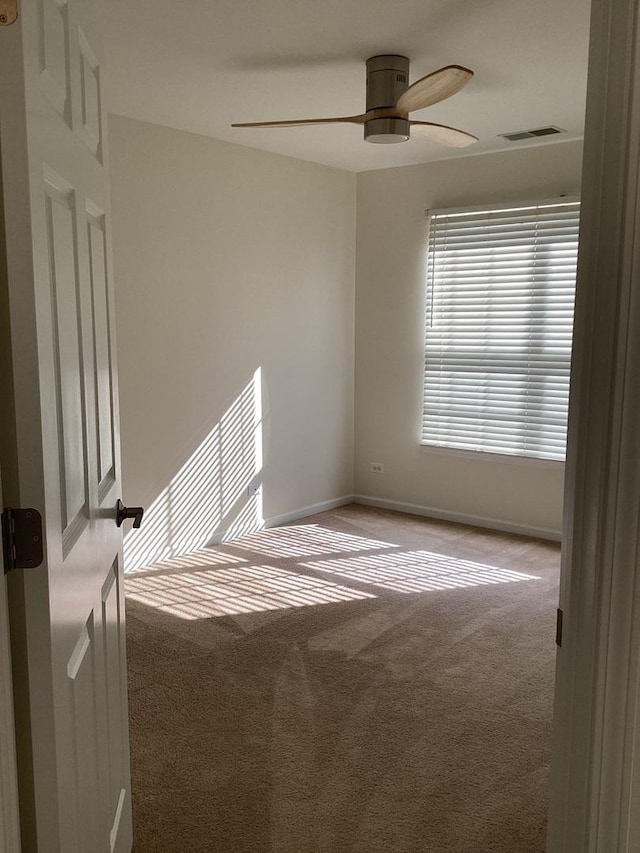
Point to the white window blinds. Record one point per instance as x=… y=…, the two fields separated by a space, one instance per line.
x=500 y=294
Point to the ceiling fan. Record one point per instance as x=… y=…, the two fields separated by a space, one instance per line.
x=390 y=99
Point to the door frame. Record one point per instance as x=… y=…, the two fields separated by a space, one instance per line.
x=9 y=815
x=595 y=794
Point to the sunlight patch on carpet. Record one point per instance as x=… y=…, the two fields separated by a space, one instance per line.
x=206 y=593
x=203 y=557
x=417 y=571
x=306 y=540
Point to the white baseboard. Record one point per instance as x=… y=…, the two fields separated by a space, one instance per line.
x=460 y=518
x=381 y=503
x=294 y=515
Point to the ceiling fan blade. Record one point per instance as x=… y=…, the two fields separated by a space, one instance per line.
x=433 y=88
x=441 y=134
x=340 y=119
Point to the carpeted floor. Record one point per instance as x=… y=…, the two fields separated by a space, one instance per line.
x=360 y=682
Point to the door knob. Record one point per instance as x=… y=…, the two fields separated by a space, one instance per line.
x=134 y=512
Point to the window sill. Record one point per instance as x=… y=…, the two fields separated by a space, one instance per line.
x=495 y=458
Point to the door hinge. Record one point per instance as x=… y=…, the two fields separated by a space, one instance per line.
x=8 y=12
x=559 y=617
x=21 y=538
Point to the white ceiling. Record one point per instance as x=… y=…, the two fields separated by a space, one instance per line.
x=199 y=65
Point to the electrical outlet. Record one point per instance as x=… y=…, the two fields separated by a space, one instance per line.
x=377 y=467
x=254 y=489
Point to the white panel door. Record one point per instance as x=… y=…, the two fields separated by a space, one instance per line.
x=67 y=615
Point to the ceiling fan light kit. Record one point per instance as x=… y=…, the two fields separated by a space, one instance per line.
x=390 y=99
x=387 y=80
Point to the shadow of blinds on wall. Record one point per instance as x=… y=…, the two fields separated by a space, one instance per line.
x=500 y=295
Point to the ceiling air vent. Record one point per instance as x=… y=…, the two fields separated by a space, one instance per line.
x=531 y=134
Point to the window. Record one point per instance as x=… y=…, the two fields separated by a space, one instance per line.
x=500 y=293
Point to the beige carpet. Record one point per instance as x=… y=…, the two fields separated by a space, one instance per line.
x=361 y=682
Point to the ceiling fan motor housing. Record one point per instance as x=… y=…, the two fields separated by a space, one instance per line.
x=387 y=79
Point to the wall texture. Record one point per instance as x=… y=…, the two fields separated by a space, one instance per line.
x=234 y=274
x=390 y=262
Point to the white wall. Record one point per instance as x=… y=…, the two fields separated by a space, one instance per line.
x=234 y=269
x=390 y=264
x=234 y=276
